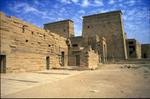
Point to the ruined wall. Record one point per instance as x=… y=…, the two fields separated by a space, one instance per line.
x=63 y=28
x=98 y=44
x=110 y=26
x=86 y=58
x=93 y=59
x=138 y=50
x=78 y=58
x=102 y=49
x=77 y=44
x=145 y=50
x=133 y=48
x=27 y=46
x=80 y=46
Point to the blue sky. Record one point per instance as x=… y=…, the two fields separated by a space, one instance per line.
x=136 y=13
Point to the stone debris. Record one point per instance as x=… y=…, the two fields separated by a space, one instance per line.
x=94 y=91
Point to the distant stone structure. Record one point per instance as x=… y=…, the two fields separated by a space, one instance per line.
x=63 y=28
x=110 y=26
x=133 y=48
x=25 y=47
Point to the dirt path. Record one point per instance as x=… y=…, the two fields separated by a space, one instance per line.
x=105 y=82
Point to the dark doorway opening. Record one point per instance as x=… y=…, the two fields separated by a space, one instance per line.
x=132 y=53
x=77 y=60
x=3 y=63
x=145 y=56
x=47 y=62
x=62 y=58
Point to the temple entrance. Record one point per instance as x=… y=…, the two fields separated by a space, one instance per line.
x=62 y=58
x=145 y=56
x=77 y=60
x=132 y=53
x=47 y=62
x=3 y=63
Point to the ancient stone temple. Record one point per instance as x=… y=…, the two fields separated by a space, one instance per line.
x=110 y=26
x=25 y=47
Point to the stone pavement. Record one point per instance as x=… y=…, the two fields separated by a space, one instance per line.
x=14 y=82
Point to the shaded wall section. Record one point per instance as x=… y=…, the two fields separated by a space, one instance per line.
x=145 y=50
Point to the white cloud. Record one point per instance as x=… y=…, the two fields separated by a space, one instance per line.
x=62 y=10
x=124 y=3
x=69 y=1
x=36 y=2
x=137 y=14
x=85 y=3
x=25 y=8
x=111 y=2
x=81 y=17
x=137 y=19
x=98 y=2
x=124 y=17
x=102 y=10
x=81 y=12
x=94 y=3
x=75 y=1
x=58 y=19
x=39 y=3
x=78 y=30
x=130 y=2
x=65 y=1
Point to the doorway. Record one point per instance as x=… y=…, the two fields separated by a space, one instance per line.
x=3 y=63
x=145 y=56
x=132 y=53
x=62 y=58
x=47 y=62
x=77 y=60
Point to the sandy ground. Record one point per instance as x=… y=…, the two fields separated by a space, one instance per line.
x=14 y=82
x=113 y=80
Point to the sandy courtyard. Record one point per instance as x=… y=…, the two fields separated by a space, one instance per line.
x=113 y=80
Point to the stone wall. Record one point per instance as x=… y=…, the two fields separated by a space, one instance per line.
x=110 y=26
x=27 y=46
x=63 y=28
